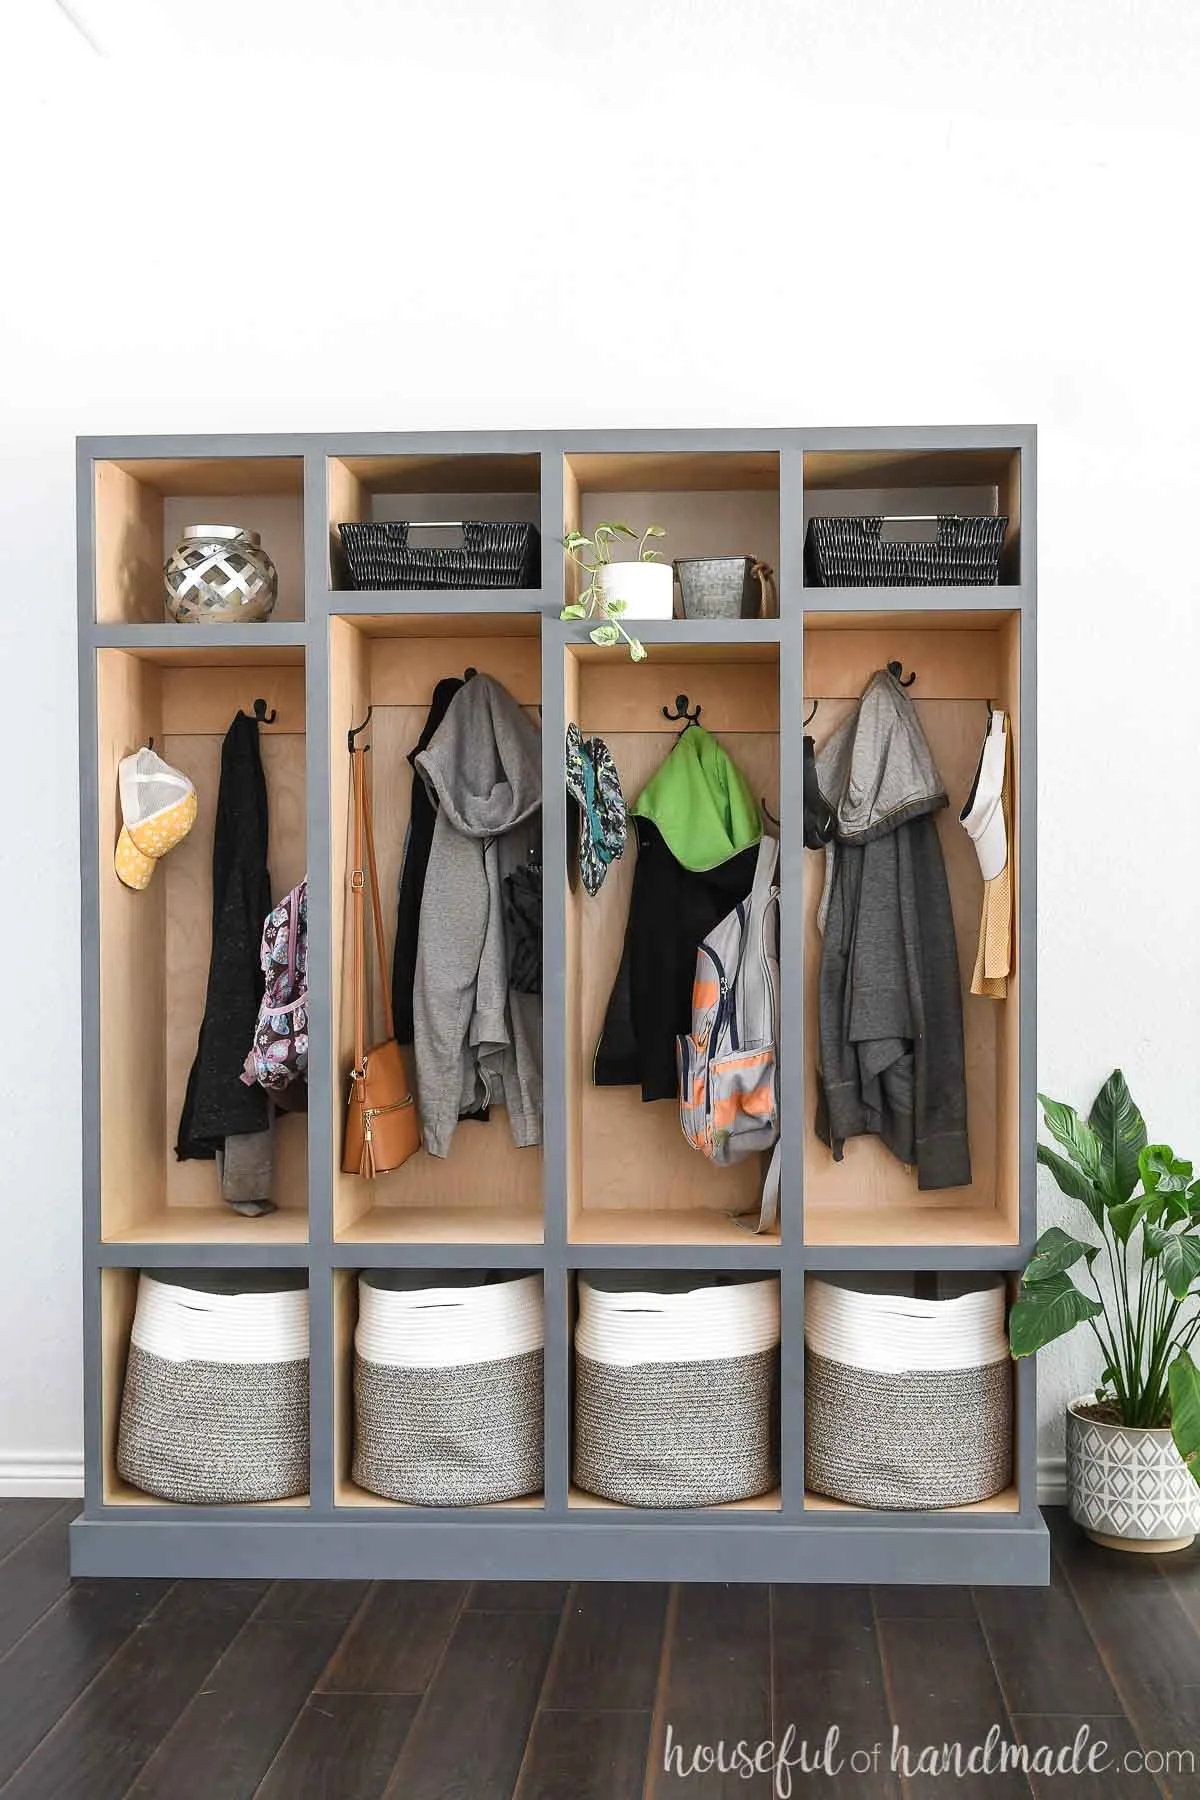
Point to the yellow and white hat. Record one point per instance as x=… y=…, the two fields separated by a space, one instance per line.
x=158 y=807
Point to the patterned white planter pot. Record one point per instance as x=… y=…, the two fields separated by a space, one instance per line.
x=1128 y=1485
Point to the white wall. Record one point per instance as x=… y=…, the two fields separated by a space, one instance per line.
x=641 y=212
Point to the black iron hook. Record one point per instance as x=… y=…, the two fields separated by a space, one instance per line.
x=264 y=715
x=767 y=813
x=470 y=674
x=895 y=669
x=812 y=715
x=681 y=712
x=357 y=731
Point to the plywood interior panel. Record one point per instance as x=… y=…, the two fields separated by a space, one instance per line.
x=674 y=472
x=132 y=967
x=869 y=1197
x=486 y=1187
x=433 y=472
x=632 y=1158
x=1008 y=1011
x=907 y=468
x=118 y=1302
x=129 y=554
x=143 y=505
x=155 y=947
x=349 y=691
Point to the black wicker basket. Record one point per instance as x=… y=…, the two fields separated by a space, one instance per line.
x=494 y=553
x=856 y=552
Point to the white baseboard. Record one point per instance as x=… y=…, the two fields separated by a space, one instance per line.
x=36 y=1475
x=1052 y=1481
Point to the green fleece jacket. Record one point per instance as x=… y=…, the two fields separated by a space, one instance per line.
x=700 y=803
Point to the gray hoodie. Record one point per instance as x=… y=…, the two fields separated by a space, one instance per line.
x=890 y=998
x=476 y=1043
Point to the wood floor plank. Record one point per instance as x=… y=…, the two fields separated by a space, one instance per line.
x=35 y=1575
x=19 y=1519
x=1148 y=1642
x=53 y=1663
x=342 y=1747
x=1043 y=1651
x=942 y=1690
x=717 y=1690
x=468 y=1738
x=313 y=1600
x=1111 y=1782
x=827 y=1672
x=226 y=1739
x=105 y=1739
x=394 y=1643
x=517 y=1596
x=1181 y=1572
x=585 y=1756
x=923 y=1603
x=609 y=1648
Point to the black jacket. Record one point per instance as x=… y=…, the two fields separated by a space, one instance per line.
x=416 y=862
x=670 y=911
x=218 y=1104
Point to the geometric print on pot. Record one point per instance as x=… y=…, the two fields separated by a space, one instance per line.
x=1129 y=1482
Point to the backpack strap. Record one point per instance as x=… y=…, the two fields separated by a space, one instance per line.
x=761 y=899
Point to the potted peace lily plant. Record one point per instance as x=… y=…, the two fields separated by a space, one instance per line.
x=642 y=588
x=1133 y=1447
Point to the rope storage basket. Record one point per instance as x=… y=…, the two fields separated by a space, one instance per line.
x=448 y=1396
x=908 y=1402
x=677 y=1388
x=494 y=553
x=873 y=551
x=215 y=1404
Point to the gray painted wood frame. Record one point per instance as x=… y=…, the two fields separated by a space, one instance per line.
x=557 y=1540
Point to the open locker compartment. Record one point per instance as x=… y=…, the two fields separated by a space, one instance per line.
x=632 y=1176
x=962 y=661
x=487 y=1190
x=155 y=944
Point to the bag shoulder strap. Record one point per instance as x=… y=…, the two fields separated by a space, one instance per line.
x=364 y=837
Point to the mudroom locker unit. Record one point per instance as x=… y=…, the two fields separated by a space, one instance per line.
x=614 y=1185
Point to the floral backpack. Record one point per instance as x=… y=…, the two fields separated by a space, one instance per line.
x=279 y=1054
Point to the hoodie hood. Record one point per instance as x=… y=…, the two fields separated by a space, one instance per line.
x=701 y=804
x=483 y=765
x=877 y=770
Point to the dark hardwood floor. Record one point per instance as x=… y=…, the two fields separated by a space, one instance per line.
x=525 y=1691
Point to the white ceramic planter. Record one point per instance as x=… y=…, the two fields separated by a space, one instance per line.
x=1128 y=1485
x=647 y=588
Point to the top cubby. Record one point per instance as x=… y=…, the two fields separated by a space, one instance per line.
x=912 y=487
x=433 y=491
x=711 y=503
x=142 y=505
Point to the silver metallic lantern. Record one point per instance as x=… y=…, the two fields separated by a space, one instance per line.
x=217 y=574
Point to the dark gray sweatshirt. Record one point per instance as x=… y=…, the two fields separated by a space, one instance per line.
x=890 y=997
x=475 y=1043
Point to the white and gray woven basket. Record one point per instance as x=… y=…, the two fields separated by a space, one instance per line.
x=677 y=1388
x=908 y=1402
x=448 y=1387
x=215 y=1404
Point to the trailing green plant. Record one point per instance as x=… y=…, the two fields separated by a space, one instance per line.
x=1145 y=1207
x=591 y=554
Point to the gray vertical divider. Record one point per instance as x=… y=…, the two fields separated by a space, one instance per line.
x=89 y=922
x=322 y=1071
x=1027 y=922
x=554 y=1021
x=791 y=947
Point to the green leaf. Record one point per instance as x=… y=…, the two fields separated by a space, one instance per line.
x=650 y=556
x=1179 y=1258
x=1048 y=1311
x=637 y=650
x=573 y=612
x=1125 y=1218
x=1073 y=1182
x=605 y=634
x=618 y=606
x=1121 y=1130
x=1055 y=1252
x=655 y=531
x=614 y=528
x=1184 y=1383
x=1076 y=1137
x=1162 y=1171
x=575 y=540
